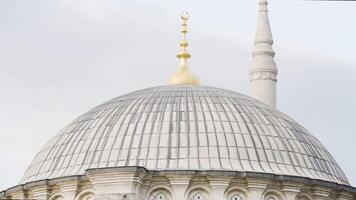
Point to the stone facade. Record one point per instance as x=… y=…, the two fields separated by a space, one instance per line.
x=134 y=183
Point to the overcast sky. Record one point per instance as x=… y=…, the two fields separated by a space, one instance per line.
x=60 y=58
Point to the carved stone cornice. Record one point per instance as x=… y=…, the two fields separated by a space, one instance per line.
x=254 y=76
x=345 y=196
x=320 y=192
x=291 y=189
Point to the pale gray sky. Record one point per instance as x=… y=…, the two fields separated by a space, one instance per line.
x=60 y=58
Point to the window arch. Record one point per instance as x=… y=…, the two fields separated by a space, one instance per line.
x=160 y=194
x=57 y=197
x=273 y=195
x=303 y=197
x=86 y=195
x=236 y=197
x=236 y=193
x=198 y=194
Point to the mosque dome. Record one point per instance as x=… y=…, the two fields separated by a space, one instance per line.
x=188 y=141
x=185 y=128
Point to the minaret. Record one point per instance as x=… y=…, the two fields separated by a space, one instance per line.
x=183 y=76
x=263 y=71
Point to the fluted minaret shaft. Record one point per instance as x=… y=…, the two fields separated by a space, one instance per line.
x=263 y=71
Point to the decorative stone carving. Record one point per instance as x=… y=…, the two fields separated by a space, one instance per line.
x=40 y=192
x=198 y=196
x=85 y=195
x=274 y=194
x=186 y=185
x=57 y=197
x=303 y=196
x=218 y=186
x=237 y=193
x=160 y=196
x=263 y=76
x=263 y=66
x=236 y=197
x=179 y=185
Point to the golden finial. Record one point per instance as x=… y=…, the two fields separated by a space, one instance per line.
x=183 y=75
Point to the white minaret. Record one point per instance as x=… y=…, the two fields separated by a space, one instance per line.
x=263 y=71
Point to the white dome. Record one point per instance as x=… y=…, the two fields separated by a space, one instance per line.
x=185 y=128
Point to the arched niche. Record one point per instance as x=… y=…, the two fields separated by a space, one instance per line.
x=199 y=194
x=236 y=193
x=57 y=197
x=303 y=197
x=86 y=195
x=160 y=193
x=273 y=194
x=235 y=197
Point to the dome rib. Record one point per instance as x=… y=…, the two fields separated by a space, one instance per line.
x=185 y=128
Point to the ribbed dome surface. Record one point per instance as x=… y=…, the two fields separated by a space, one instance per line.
x=185 y=128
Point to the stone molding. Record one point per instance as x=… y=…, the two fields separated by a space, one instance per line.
x=291 y=190
x=256 y=76
x=139 y=183
x=84 y=193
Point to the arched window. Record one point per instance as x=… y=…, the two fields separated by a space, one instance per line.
x=160 y=196
x=236 y=193
x=198 y=196
x=57 y=197
x=273 y=195
x=86 y=195
x=235 y=197
x=304 y=197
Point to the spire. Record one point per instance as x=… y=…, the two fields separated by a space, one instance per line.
x=263 y=32
x=263 y=71
x=183 y=76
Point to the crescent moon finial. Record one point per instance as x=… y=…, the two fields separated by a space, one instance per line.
x=184 y=76
x=185 y=15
